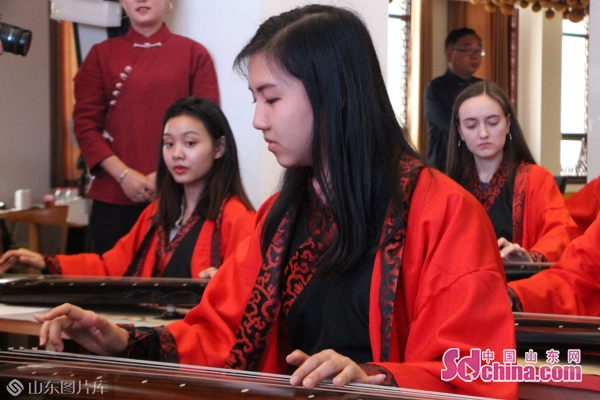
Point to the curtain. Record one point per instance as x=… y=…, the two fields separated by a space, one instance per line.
x=64 y=152
x=68 y=71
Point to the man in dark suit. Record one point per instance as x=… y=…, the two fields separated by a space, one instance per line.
x=464 y=54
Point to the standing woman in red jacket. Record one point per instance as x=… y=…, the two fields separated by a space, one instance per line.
x=201 y=215
x=488 y=156
x=122 y=90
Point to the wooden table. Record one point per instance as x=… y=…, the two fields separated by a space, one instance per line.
x=19 y=320
x=15 y=320
x=36 y=217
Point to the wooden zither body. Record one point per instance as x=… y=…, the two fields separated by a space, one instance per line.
x=32 y=374
x=52 y=290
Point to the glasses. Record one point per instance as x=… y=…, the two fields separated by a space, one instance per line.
x=472 y=52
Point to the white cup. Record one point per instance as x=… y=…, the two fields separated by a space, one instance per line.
x=23 y=199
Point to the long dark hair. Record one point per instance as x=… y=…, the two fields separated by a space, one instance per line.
x=222 y=181
x=460 y=160
x=357 y=141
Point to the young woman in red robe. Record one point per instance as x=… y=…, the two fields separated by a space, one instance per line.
x=488 y=156
x=201 y=214
x=361 y=267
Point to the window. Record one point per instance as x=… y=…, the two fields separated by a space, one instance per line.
x=574 y=87
x=398 y=45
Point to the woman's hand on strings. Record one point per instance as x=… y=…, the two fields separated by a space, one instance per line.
x=207 y=273
x=512 y=251
x=328 y=364
x=86 y=328
x=21 y=258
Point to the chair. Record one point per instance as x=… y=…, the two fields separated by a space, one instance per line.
x=35 y=217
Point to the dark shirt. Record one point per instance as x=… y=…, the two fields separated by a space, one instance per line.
x=333 y=312
x=179 y=265
x=440 y=95
x=501 y=213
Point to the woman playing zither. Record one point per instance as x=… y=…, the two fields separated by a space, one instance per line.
x=360 y=268
x=488 y=155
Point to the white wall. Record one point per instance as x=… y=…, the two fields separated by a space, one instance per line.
x=538 y=80
x=223 y=27
x=25 y=105
x=440 y=31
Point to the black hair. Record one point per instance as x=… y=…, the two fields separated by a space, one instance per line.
x=222 y=181
x=357 y=141
x=456 y=34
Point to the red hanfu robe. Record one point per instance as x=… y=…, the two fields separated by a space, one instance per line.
x=236 y=223
x=547 y=226
x=584 y=205
x=450 y=293
x=572 y=285
x=541 y=223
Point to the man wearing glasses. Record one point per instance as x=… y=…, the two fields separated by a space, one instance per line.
x=464 y=55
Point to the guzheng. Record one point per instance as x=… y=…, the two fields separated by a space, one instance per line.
x=53 y=290
x=557 y=331
x=47 y=375
x=516 y=270
x=543 y=332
